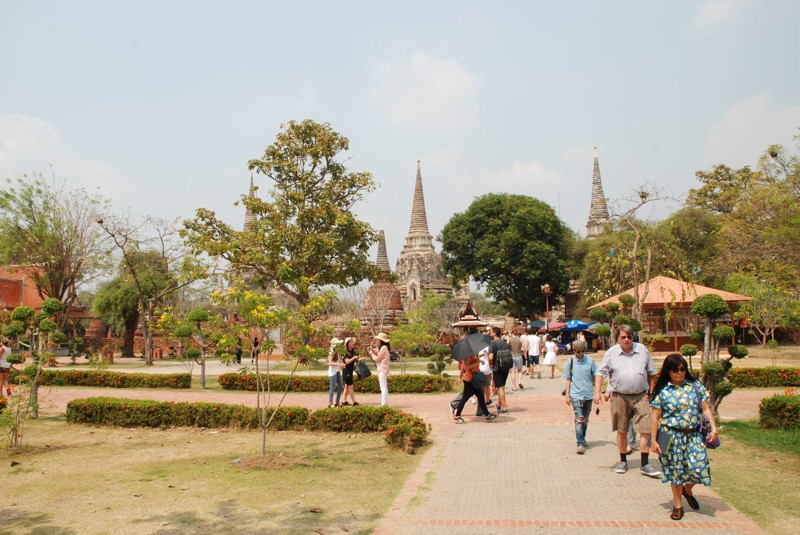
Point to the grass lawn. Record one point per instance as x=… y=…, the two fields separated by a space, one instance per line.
x=756 y=470
x=74 y=479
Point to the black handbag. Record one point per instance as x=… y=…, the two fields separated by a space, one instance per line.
x=362 y=370
x=478 y=380
x=705 y=423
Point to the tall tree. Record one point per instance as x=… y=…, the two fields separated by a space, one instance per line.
x=306 y=236
x=157 y=264
x=513 y=244
x=117 y=304
x=50 y=231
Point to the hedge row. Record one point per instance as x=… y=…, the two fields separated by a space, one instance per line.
x=780 y=412
x=401 y=430
x=768 y=377
x=399 y=384
x=114 y=379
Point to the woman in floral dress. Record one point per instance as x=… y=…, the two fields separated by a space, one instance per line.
x=676 y=411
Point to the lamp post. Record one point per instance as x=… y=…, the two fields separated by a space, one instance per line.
x=546 y=291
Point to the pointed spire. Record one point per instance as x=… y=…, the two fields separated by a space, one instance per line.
x=383 y=258
x=598 y=212
x=419 y=219
x=249 y=216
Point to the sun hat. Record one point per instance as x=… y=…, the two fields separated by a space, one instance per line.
x=383 y=337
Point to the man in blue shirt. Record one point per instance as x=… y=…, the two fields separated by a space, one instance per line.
x=579 y=372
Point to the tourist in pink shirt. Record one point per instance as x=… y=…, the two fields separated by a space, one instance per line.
x=381 y=358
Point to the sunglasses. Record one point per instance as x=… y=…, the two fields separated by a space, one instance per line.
x=679 y=370
x=579 y=352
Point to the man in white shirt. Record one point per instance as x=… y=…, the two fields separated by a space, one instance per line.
x=534 y=350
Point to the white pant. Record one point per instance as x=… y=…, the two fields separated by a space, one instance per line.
x=384 y=388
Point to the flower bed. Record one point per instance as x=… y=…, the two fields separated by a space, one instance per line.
x=767 y=377
x=401 y=430
x=102 y=378
x=780 y=411
x=402 y=384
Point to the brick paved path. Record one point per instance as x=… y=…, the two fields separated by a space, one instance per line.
x=517 y=474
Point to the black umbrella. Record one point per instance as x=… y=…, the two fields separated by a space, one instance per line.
x=470 y=345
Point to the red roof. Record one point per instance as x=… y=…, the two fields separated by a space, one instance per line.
x=664 y=290
x=17 y=288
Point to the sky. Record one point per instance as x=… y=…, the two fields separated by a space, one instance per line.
x=160 y=105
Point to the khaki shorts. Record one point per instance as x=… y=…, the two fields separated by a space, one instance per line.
x=627 y=407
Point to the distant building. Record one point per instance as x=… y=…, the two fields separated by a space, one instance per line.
x=419 y=267
x=598 y=211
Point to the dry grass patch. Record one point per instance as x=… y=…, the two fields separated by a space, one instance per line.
x=74 y=479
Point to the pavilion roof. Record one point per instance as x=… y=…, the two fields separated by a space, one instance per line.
x=666 y=290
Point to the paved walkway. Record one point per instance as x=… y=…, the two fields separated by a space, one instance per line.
x=517 y=474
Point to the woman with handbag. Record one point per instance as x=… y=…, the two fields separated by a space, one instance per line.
x=350 y=360
x=678 y=403
x=381 y=358
x=335 y=366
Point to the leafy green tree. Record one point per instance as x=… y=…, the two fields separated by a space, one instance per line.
x=158 y=266
x=306 y=236
x=722 y=188
x=710 y=307
x=49 y=231
x=512 y=244
x=117 y=304
x=770 y=308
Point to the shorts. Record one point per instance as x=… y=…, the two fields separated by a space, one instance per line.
x=500 y=378
x=627 y=407
x=533 y=360
x=517 y=363
x=347 y=377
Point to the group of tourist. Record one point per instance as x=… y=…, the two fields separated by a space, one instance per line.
x=342 y=360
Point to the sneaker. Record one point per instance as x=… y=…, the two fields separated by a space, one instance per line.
x=502 y=411
x=346 y=404
x=649 y=471
x=621 y=467
x=581 y=449
x=356 y=404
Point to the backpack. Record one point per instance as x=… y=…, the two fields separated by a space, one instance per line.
x=504 y=360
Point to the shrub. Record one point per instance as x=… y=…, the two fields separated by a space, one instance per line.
x=402 y=430
x=780 y=412
x=737 y=351
x=401 y=384
x=114 y=379
x=768 y=377
x=689 y=350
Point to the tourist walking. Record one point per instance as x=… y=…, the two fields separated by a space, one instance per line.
x=335 y=366
x=5 y=366
x=381 y=358
x=579 y=372
x=534 y=352
x=254 y=350
x=350 y=360
x=515 y=342
x=631 y=374
x=502 y=362
x=550 y=355
x=677 y=402
x=485 y=367
x=466 y=369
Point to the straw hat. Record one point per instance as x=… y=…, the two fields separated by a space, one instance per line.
x=383 y=337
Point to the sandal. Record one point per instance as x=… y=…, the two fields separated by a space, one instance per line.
x=677 y=513
x=458 y=420
x=691 y=500
x=491 y=417
x=356 y=404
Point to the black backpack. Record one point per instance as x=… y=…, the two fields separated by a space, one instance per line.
x=503 y=359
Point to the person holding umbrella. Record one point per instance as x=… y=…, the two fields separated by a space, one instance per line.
x=465 y=352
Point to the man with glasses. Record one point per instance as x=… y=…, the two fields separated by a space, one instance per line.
x=631 y=375
x=579 y=372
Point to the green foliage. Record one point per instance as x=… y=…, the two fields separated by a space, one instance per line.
x=402 y=430
x=723 y=388
x=183 y=331
x=197 y=315
x=697 y=335
x=714 y=370
x=613 y=308
x=773 y=346
x=108 y=379
x=710 y=306
x=193 y=352
x=737 y=351
x=306 y=236
x=767 y=377
x=602 y=330
x=723 y=332
x=780 y=412
x=599 y=314
x=439 y=349
x=58 y=337
x=689 y=350
x=770 y=307
x=634 y=324
x=401 y=384
x=22 y=313
x=47 y=325
x=15 y=358
x=512 y=244
x=15 y=329
x=52 y=306
x=627 y=300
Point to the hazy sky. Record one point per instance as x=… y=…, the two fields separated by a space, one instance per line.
x=161 y=104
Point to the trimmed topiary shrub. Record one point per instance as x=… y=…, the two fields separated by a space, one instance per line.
x=768 y=377
x=780 y=412
x=401 y=430
x=400 y=384
x=114 y=379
